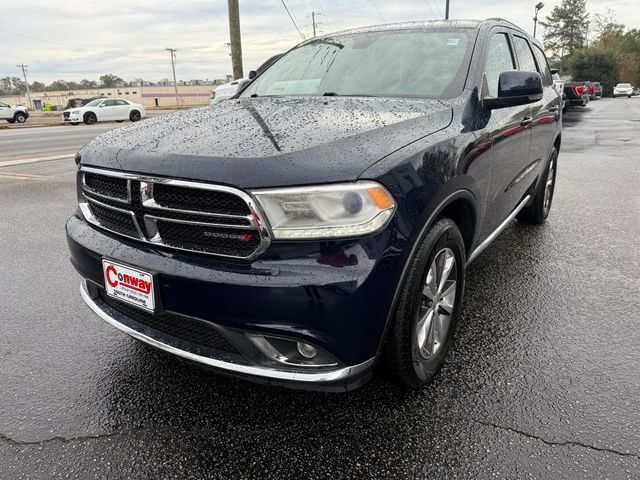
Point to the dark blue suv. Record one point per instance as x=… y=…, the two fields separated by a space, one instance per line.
x=321 y=221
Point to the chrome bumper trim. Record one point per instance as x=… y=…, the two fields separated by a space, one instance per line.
x=304 y=377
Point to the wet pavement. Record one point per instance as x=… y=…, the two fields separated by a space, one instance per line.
x=541 y=382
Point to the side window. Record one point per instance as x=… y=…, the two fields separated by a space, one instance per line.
x=109 y=103
x=3 y=105
x=543 y=65
x=121 y=102
x=499 y=59
x=525 y=57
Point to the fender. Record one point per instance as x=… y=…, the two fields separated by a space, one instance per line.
x=415 y=242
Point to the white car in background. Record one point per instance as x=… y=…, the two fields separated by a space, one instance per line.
x=623 y=90
x=228 y=90
x=104 y=110
x=13 y=114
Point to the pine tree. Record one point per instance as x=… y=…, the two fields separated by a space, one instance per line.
x=566 y=26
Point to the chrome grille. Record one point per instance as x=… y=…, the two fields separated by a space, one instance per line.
x=177 y=214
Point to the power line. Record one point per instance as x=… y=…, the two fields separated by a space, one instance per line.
x=435 y=4
x=379 y=12
x=292 y=20
x=433 y=12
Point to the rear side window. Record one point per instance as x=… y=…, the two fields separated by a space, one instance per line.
x=525 y=57
x=543 y=65
x=499 y=59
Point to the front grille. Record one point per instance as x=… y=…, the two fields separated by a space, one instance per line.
x=202 y=218
x=115 y=220
x=66 y=114
x=106 y=186
x=195 y=237
x=205 y=201
x=192 y=330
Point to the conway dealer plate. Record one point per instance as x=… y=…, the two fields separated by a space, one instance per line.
x=129 y=284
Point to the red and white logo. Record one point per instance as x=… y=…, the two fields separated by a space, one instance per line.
x=114 y=279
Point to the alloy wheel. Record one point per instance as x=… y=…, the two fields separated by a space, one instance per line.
x=437 y=303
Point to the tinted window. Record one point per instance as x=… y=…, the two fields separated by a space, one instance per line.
x=543 y=65
x=121 y=102
x=109 y=103
x=4 y=105
x=525 y=57
x=404 y=63
x=499 y=59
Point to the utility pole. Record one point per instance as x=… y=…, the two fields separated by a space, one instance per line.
x=313 y=20
x=234 y=33
x=26 y=83
x=173 y=67
x=446 y=11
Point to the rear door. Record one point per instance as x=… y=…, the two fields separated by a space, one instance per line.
x=511 y=136
x=121 y=110
x=545 y=113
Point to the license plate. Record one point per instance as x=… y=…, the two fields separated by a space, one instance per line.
x=129 y=284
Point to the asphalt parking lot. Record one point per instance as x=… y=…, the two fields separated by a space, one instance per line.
x=542 y=380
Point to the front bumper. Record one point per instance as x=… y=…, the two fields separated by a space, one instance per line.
x=73 y=118
x=335 y=295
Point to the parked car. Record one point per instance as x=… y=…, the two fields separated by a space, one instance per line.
x=558 y=83
x=104 y=109
x=13 y=114
x=229 y=90
x=321 y=224
x=576 y=94
x=623 y=90
x=597 y=90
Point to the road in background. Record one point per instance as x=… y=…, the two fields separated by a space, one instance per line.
x=541 y=381
x=25 y=143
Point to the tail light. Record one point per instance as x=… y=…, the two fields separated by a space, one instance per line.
x=579 y=90
x=592 y=88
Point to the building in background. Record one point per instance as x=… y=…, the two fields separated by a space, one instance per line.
x=148 y=95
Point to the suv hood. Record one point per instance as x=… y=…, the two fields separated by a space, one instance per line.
x=263 y=142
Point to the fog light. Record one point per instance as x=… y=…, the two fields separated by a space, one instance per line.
x=306 y=350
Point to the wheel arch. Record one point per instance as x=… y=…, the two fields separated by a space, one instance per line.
x=461 y=207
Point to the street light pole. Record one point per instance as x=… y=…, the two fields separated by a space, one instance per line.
x=539 y=6
x=26 y=83
x=173 y=67
x=446 y=11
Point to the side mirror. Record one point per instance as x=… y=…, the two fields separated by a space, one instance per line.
x=515 y=88
x=252 y=74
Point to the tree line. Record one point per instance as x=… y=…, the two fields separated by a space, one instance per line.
x=16 y=85
x=612 y=57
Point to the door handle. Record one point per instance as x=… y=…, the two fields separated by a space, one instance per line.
x=526 y=121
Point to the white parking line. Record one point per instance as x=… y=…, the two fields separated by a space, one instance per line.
x=24 y=161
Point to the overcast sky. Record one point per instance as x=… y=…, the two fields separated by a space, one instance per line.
x=76 y=39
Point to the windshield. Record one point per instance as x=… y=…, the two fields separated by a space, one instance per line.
x=94 y=103
x=400 y=63
x=624 y=85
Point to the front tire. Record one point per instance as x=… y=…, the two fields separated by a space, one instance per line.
x=134 y=116
x=428 y=308
x=538 y=211
x=90 y=118
x=20 y=117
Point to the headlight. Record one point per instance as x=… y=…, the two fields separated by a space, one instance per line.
x=332 y=211
x=75 y=112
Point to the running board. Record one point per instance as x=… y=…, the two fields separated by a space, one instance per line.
x=498 y=230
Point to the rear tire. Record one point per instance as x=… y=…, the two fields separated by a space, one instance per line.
x=90 y=118
x=538 y=211
x=428 y=307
